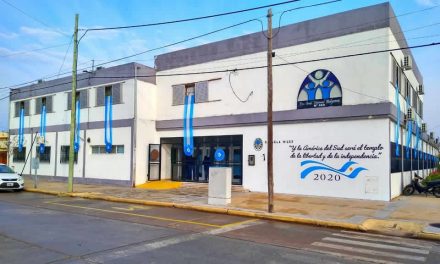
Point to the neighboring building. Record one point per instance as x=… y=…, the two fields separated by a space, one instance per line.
x=4 y=137
x=334 y=120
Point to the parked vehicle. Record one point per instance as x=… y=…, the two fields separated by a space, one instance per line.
x=415 y=185
x=9 y=179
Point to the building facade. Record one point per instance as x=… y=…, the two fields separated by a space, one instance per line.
x=4 y=137
x=344 y=126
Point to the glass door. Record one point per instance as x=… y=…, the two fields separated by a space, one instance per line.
x=154 y=162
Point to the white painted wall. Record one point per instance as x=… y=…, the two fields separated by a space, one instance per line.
x=287 y=170
x=362 y=78
x=145 y=128
x=109 y=166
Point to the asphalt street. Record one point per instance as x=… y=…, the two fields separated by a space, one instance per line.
x=37 y=228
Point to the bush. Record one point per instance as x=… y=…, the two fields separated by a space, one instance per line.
x=435 y=175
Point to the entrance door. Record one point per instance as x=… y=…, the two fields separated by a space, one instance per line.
x=154 y=162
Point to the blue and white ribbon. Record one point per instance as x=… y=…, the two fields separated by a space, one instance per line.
x=21 y=131
x=108 y=134
x=416 y=149
x=77 y=126
x=408 y=132
x=43 y=128
x=188 y=141
x=397 y=133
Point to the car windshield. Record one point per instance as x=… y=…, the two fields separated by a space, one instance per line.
x=5 y=169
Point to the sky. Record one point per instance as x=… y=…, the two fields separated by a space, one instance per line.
x=35 y=35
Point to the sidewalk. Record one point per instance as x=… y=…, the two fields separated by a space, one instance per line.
x=404 y=216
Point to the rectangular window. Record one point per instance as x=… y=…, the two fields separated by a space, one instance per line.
x=415 y=97
x=64 y=158
x=408 y=89
x=82 y=96
x=19 y=156
x=47 y=101
x=100 y=149
x=395 y=73
x=421 y=109
x=22 y=105
x=402 y=81
x=114 y=90
x=199 y=89
x=45 y=156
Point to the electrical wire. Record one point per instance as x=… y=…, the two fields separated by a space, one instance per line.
x=29 y=51
x=237 y=69
x=233 y=91
x=35 y=19
x=65 y=55
x=194 y=18
x=298 y=8
x=206 y=34
x=308 y=72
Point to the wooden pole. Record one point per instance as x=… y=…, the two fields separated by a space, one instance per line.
x=269 y=113
x=73 y=107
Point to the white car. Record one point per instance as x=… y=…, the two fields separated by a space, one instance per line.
x=9 y=179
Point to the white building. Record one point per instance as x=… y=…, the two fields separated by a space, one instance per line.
x=334 y=119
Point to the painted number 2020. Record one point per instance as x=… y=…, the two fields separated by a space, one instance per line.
x=327 y=177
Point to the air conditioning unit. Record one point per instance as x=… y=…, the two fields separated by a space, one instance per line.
x=409 y=114
x=421 y=89
x=407 y=63
x=424 y=126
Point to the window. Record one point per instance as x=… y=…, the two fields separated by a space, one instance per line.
x=421 y=109
x=395 y=73
x=22 y=105
x=402 y=81
x=82 y=96
x=100 y=149
x=65 y=155
x=114 y=90
x=47 y=101
x=408 y=89
x=199 y=89
x=415 y=97
x=45 y=156
x=19 y=156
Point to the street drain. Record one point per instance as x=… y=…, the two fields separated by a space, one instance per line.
x=436 y=225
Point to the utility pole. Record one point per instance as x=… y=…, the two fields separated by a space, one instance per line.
x=269 y=113
x=73 y=107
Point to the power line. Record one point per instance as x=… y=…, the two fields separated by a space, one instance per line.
x=29 y=51
x=65 y=55
x=345 y=88
x=34 y=18
x=237 y=69
x=206 y=34
x=194 y=18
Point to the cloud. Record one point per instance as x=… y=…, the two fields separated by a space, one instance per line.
x=428 y=2
x=8 y=35
x=40 y=33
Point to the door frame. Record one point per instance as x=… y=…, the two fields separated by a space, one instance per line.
x=154 y=162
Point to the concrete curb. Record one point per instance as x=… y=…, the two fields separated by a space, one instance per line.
x=370 y=225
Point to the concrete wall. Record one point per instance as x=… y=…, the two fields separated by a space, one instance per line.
x=372 y=183
x=362 y=78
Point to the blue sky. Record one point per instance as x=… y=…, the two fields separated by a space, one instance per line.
x=50 y=23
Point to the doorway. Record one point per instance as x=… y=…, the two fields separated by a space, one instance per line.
x=195 y=168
